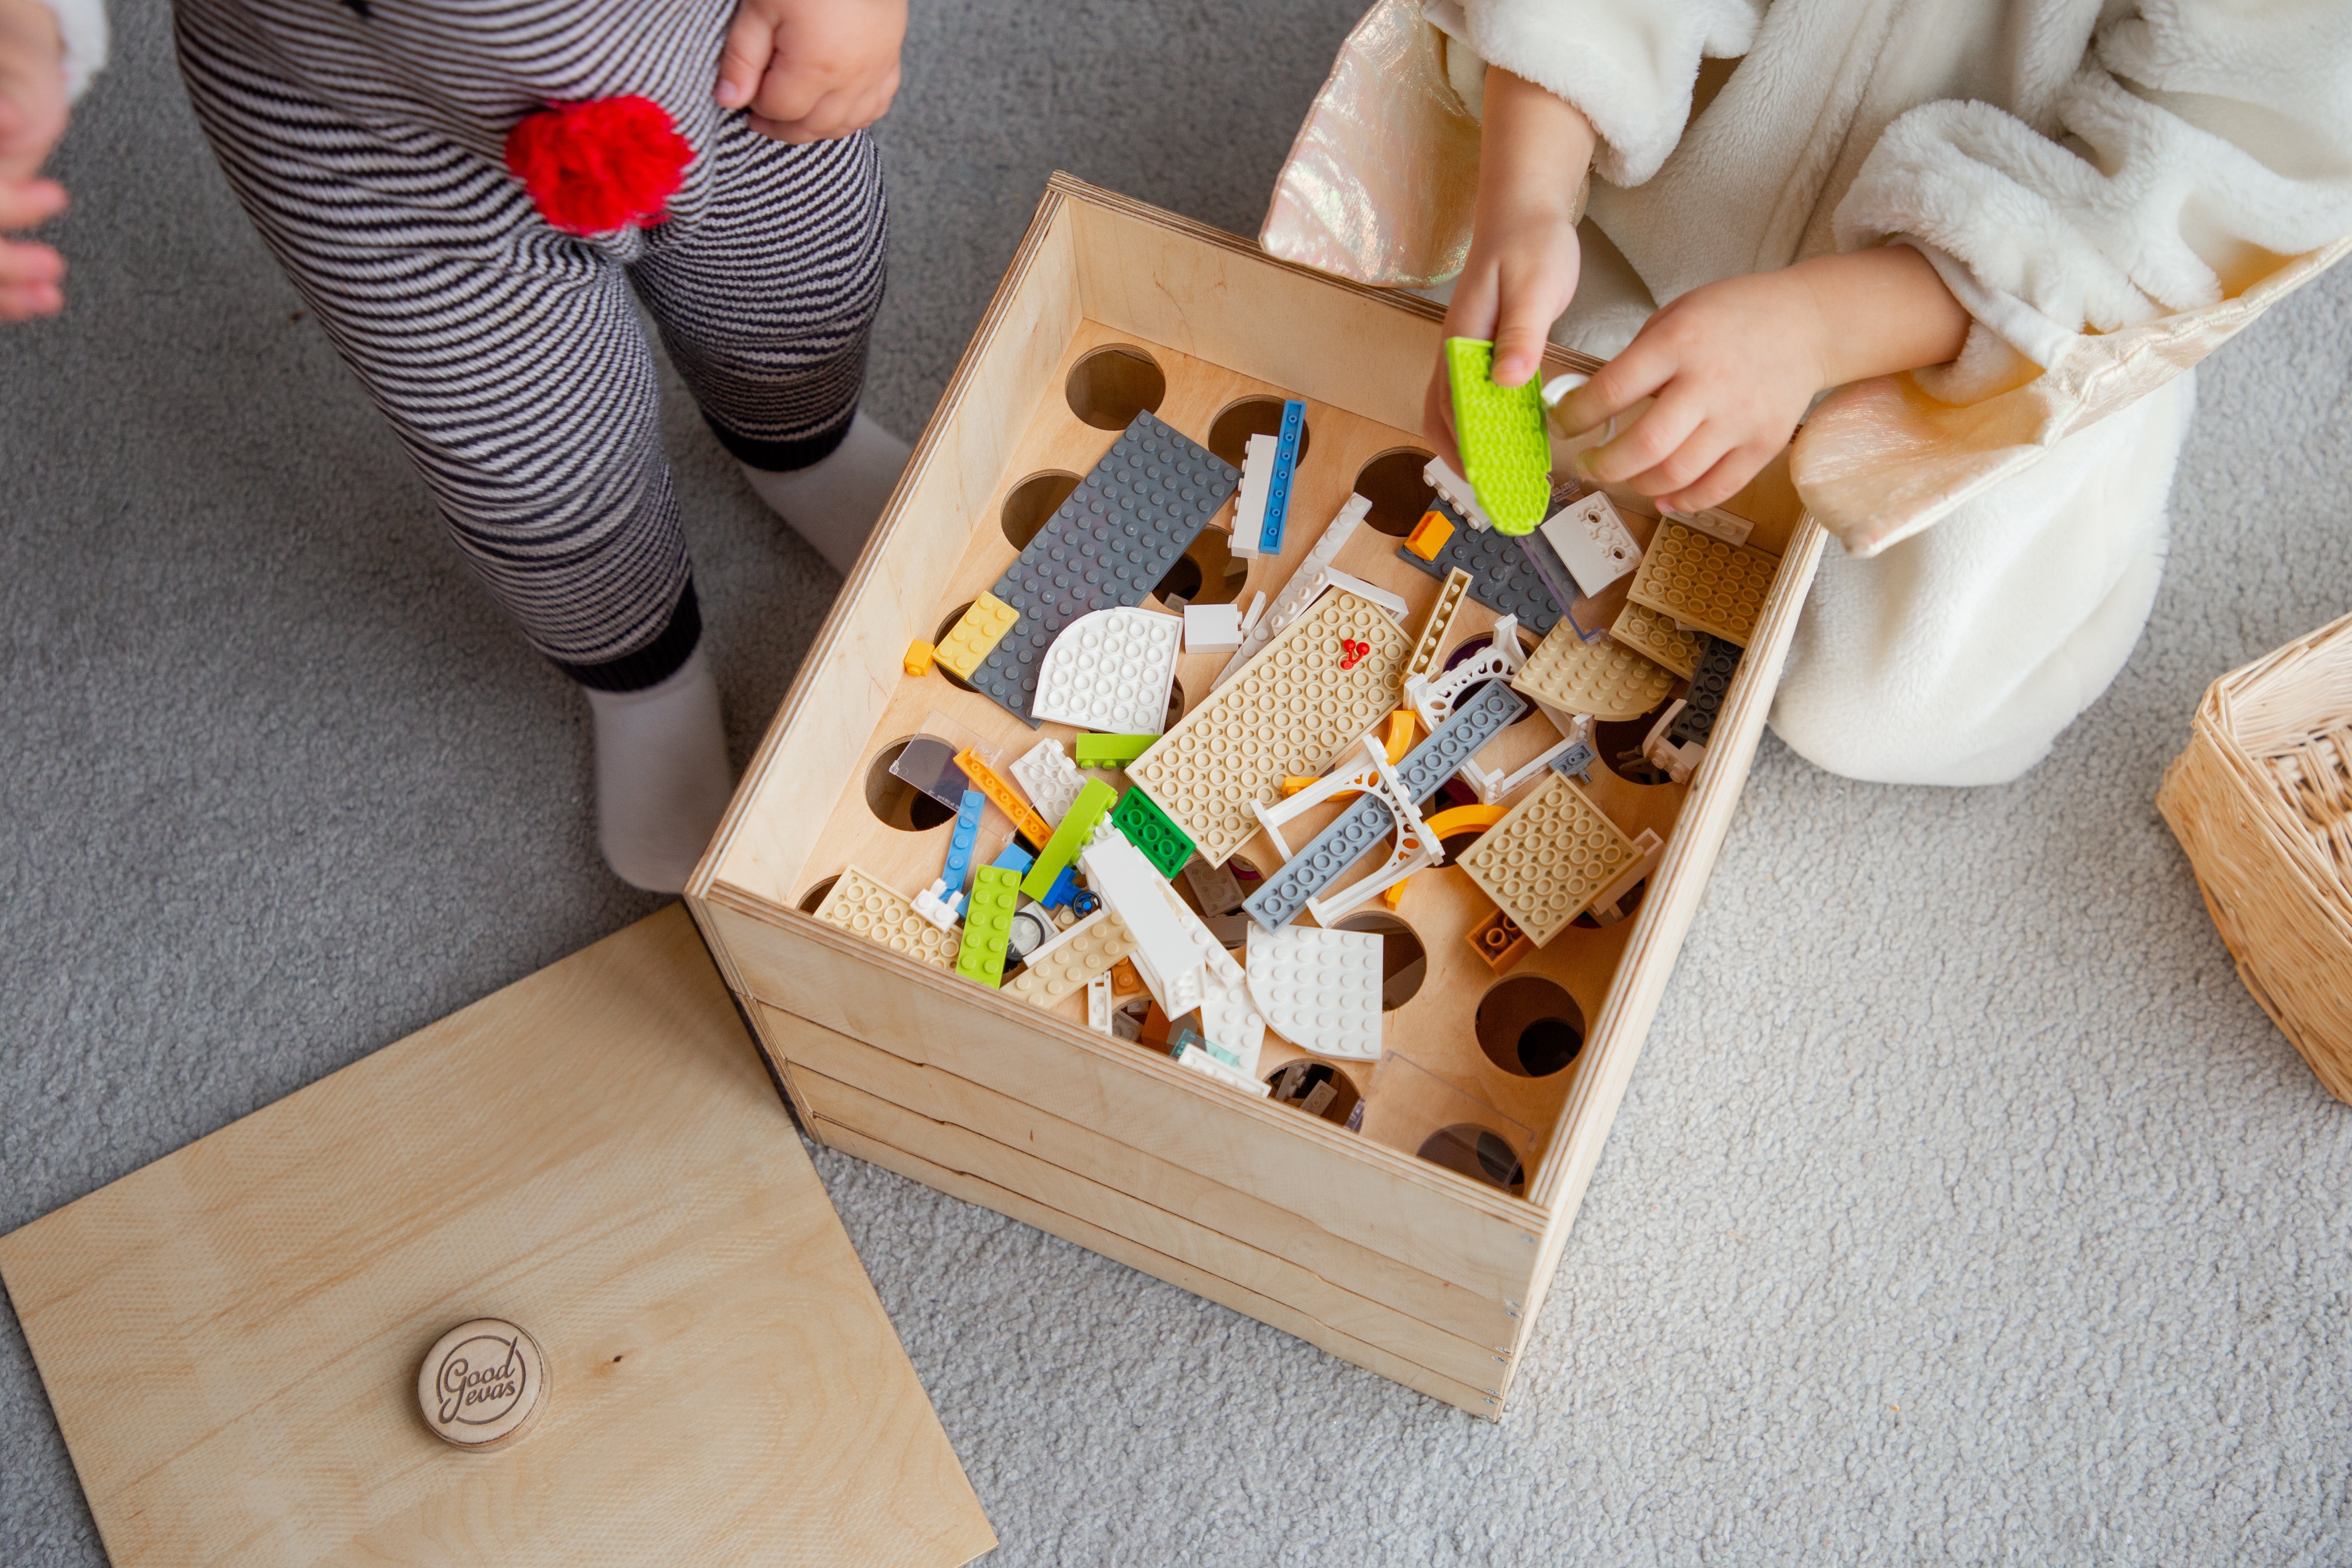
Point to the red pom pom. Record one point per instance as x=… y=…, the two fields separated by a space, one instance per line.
x=608 y=164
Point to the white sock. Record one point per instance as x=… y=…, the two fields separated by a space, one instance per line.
x=835 y=503
x=662 y=780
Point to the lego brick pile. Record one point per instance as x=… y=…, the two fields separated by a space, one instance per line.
x=1322 y=698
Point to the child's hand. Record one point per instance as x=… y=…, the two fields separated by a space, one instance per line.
x=1734 y=365
x=1520 y=276
x=1533 y=151
x=32 y=118
x=810 y=70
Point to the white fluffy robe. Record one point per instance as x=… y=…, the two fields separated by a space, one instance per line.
x=2069 y=166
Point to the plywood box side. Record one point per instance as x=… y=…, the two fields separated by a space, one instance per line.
x=1484 y=1403
x=1390 y=1203
x=1219 y=297
x=1269 y=1275
x=942 y=1097
x=848 y=678
x=1681 y=880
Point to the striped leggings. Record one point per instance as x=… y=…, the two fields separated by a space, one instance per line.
x=365 y=142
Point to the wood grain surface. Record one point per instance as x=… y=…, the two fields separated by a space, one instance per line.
x=231 y=1336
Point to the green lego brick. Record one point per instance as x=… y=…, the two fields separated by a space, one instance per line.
x=1505 y=453
x=988 y=925
x=1112 y=750
x=1145 y=826
x=1069 y=839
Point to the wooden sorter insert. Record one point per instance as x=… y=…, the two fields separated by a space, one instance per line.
x=1419 y=1244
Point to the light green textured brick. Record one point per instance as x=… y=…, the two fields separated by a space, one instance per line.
x=1069 y=837
x=988 y=925
x=1505 y=453
x=1111 y=751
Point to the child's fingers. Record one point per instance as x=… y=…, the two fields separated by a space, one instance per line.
x=1729 y=475
x=23 y=302
x=1632 y=375
x=1685 y=465
x=1654 y=437
x=22 y=262
x=27 y=204
x=750 y=45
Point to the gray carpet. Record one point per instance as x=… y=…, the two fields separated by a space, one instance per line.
x=1963 y=1209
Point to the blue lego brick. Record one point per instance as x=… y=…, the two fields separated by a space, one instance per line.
x=1013 y=859
x=1106 y=547
x=1285 y=466
x=1064 y=889
x=1507 y=574
x=1353 y=834
x=1718 y=661
x=966 y=836
x=1576 y=762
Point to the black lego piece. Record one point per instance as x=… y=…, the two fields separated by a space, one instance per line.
x=1718 y=660
x=1501 y=576
x=1107 y=546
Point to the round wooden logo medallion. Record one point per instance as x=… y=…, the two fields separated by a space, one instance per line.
x=481 y=1382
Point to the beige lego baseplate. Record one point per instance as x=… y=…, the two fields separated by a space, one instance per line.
x=1234 y=749
x=1549 y=858
x=860 y=904
x=1088 y=949
x=1604 y=679
x=1657 y=638
x=1703 y=582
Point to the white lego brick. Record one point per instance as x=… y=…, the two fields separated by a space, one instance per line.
x=1257 y=608
x=1650 y=849
x=1393 y=603
x=1678 y=762
x=1593 y=542
x=1212 y=628
x=1230 y=1017
x=1098 y=1003
x=1319 y=989
x=1051 y=779
x=1111 y=671
x=1440 y=477
x=942 y=911
x=1493 y=787
x=1165 y=955
x=1714 y=520
x=1257 y=484
x=1200 y=1061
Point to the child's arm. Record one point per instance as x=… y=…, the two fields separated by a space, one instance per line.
x=810 y=70
x=32 y=118
x=1734 y=365
x=1533 y=151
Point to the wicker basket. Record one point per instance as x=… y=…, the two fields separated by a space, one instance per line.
x=2263 y=802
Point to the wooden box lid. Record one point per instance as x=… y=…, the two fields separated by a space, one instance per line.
x=231 y=1337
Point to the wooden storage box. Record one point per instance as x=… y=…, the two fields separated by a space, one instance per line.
x=1352 y=1240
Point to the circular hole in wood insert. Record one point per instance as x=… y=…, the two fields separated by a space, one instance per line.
x=1479 y=644
x=1302 y=1085
x=1230 y=431
x=1208 y=573
x=1530 y=1026
x=947 y=624
x=1393 y=483
x=1618 y=744
x=815 y=895
x=1108 y=388
x=1029 y=503
x=894 y=802
x=1405 y=962
x=1476 y=1151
